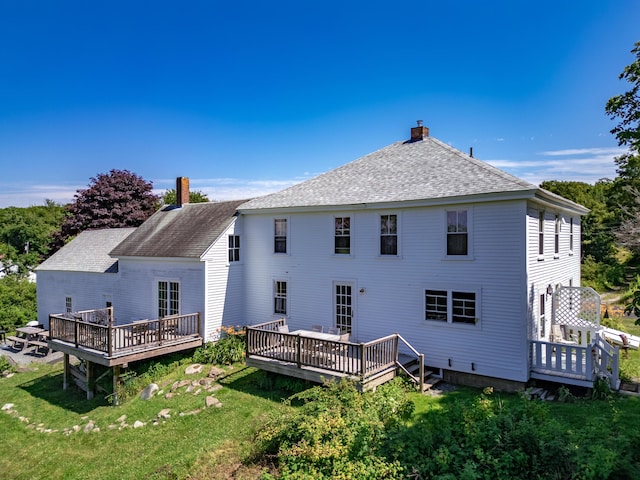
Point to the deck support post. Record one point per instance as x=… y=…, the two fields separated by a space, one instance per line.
x=116 y=380
x=90 y=380
x=66 y=374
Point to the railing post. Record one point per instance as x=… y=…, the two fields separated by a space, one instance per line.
x=615 y=368
x=298 y=352
x=363 y=367
x=422 y=372
x=110 y=339
x=75 y=333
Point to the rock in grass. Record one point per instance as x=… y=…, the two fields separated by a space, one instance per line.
x=149 y=392
x=193 y=369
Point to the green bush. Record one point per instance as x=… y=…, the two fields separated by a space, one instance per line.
x=337 y=433
x=229 y=349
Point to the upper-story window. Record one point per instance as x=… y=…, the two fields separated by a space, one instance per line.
x=234 y=248
x=457 y=232
x=556 y=237
x=68 y=304
x=571 y=235
x=388 y=234
x=541 y=232
x=343 y=235
x=280 y=235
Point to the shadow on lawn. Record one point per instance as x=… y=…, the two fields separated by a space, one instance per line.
x=267 y=385
x=49 y=389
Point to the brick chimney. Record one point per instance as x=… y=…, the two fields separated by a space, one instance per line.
x=419 y=132
x=182 y=191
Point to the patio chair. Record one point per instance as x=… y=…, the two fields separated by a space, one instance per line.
x=316 y=328
x=333 y=331
x=557 y=336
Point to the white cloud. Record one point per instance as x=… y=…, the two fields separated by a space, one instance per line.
x=573 y=164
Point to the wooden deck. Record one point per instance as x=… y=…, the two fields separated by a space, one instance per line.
x=368 y=364
x=91 y=335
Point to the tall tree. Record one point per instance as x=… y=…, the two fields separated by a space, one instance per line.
x=115 y=199
x=169 y=197
x=626 y=109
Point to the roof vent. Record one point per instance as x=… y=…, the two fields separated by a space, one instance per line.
x=419 y=133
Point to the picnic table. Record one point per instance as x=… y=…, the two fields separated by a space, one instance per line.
x=29 y=336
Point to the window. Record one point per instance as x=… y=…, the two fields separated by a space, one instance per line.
x=168 y=298
x=280 y=297
x=457 y=232
x=344 y=307
x=464 y=307
x=451 y=306
x=68 y=305
x=388 y=234
x=436 y=305
x=571 y=235
x=342 y=235
x=234 y=248
x=280 y=243
x=542 y=318
x=556 y=238
x=541 y=232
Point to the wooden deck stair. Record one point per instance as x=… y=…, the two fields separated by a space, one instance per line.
x=411 y=365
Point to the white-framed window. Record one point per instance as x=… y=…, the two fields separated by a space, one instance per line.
x=541 y=232
x=571 y=235
x=280 y=297
x=68 y=304
x=234 y=248
x=280 y=235
x=389 y=234
x=452 y=306
x=556 y=236
x=541 y=315
x=457 y=232
x=342 y=235
x=168 y=298
x=344 y=307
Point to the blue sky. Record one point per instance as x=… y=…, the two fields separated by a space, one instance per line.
x=245 y=98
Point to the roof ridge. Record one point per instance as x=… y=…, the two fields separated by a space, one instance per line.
x=483 y=164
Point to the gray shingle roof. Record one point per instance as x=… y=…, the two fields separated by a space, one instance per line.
x=88 y=252
x=403 y=171
x=185 y=232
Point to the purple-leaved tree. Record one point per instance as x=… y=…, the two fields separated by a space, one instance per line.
x=112 y=200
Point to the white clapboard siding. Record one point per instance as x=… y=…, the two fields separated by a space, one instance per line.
x=87 y=290
x=392 y=298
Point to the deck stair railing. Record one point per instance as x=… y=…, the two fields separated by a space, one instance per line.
x=364 y=361
x=94 y=329
x=606 y=358
x=416 y=376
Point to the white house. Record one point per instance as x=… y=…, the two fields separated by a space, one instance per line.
x=461 y=259
x=177 y=262
x=420 y=239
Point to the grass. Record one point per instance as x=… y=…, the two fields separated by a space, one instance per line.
x=216 y=443
x=169 y=450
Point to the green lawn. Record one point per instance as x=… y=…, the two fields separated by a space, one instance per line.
x=218 y=442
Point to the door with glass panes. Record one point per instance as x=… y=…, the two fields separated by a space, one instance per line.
x=344 y=307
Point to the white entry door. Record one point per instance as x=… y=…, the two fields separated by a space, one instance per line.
x=344 y=311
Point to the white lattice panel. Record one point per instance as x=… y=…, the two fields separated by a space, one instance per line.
x=577 y=306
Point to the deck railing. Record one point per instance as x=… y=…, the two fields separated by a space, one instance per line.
x=362 y=360
x=96 y=331
x=599 y=359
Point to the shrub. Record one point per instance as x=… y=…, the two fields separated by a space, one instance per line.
x=230 y=348
x=337 y=432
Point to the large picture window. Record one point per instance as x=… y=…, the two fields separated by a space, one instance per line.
x=280 y=238
x=342 y=235
x=168 y=298
x=457 y=233
x=280 y=297
x=451 y=306
x=388 y=235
